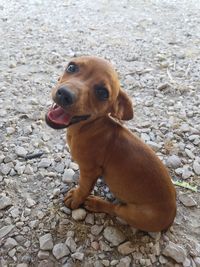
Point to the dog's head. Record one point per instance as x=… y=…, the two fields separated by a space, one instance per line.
x=89 y=88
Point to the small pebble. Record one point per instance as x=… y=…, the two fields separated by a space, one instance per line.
x=79 y=214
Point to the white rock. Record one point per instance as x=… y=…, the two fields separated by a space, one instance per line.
x=196 y=167
x=173 y=162
x=175 y=252
x=44 y=163
x=156 y=249
x=40 y=214
x=5 y=202
x=106 y=263
x=155 y=235
x=12 y=252
x=5 y=168
x=113 y=262
x=187 y=263
x=189 y=153
x=13 y=65
x=20 y=151
x=15 y=212
x=78 y=256
x=28 y=169
x=145 y=137
x=6 y=230
x=19 y=167
x=74 y=166
x=60 y=250
x=124 y=262
x=66 y=210
x=187 y=201
x=96 y=229
x=156 y=147
x=96 y=264
x=104 y=247
x=90 y=218
x=186 y=173
x=125 y=248
x=162 y=259
x=10 y=130
x=56 y=192
x=68 y=176
x=27 y=129
x=30 y=202
x=113 y=235
x=185 y=128
x=71 y=244
x=70 y=234
x=60 y=167
x=46 y=242
x=79 y=214
x=42 y=255
x=197 y=261
x=10 y=243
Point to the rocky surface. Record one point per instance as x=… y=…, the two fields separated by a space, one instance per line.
x=155 y=47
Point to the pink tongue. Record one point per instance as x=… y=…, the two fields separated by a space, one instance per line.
x=58 y=115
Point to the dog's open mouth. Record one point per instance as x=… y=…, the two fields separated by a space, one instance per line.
x=58 y=118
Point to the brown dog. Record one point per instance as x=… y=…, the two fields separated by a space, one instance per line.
x=88 y=99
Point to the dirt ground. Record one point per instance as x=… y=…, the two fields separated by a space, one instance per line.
x=154 y=45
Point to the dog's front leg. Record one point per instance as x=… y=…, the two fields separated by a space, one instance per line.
x=76 y=196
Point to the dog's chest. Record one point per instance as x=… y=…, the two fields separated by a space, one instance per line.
x=87 y=150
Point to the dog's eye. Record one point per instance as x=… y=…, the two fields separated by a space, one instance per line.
x=71 y=68
x=102 y=93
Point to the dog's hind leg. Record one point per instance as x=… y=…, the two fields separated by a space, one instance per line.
x=97 y=204
x=140 y=217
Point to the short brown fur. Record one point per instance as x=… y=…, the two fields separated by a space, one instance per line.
x=102 y=146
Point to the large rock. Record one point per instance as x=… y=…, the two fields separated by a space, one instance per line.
x=71 y=244
x=46 y=242
x=5 y=202
x=78 y=256
x=60 y=250
x=20 y=151
x=197 y=261
x=6 y=230
x=196 y=167
x=175 y=252
x=114 y=235
x=187 y=201
x=68 y=176
x=126 y=248
x=10 y=243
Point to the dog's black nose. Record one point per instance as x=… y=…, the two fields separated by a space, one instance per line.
x=64 y=96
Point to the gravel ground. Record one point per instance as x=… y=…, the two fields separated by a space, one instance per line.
x=155 y=47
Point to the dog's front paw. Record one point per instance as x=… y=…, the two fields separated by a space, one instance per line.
x=72 y=200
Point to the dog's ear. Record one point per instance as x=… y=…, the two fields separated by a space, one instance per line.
x=123 y=107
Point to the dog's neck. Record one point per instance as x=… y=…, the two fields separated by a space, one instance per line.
x=84 y=126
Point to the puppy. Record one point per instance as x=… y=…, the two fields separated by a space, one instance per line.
x=89 y=101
